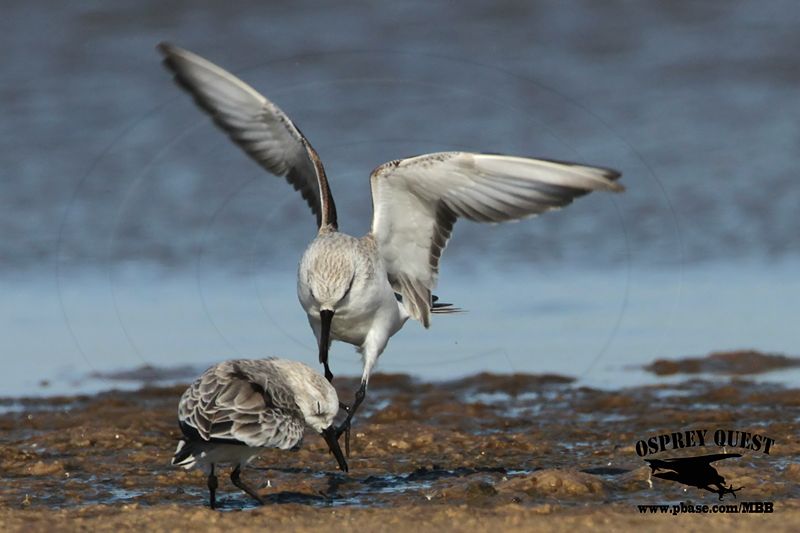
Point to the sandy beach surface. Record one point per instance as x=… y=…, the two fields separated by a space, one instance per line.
x=487 y=452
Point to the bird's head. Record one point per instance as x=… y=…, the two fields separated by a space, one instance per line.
x=324 y=286
x=319 y=410
x=329 y=281
x=318 y=403
x=327 y=272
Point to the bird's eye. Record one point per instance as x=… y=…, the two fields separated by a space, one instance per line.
x=319 y=409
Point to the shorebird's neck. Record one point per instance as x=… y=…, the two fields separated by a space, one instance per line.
x=327 y=229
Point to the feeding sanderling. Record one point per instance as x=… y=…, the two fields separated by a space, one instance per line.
x=347 y=285
x=237 y=408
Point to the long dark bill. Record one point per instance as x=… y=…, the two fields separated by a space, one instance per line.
x=331 y=437
x=325 y=316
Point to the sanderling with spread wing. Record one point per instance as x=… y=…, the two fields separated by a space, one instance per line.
x=239 y=407
x=363 y=290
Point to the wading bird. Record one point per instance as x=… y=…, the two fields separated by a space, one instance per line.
x=239 y=407
x=363 y=290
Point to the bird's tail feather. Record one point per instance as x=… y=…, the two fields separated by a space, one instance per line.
x=441 y=308
x=184 y=455
x=437 y=308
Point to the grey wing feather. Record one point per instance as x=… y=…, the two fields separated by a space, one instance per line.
x=256 y=125
x=238 y=401
x=416 y=202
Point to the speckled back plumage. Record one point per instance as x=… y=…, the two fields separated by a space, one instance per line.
x=256 y=403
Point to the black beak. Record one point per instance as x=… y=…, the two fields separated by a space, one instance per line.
x=331 y=437
x=325 y=316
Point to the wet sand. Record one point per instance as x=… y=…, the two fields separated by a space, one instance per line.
x=515 y=452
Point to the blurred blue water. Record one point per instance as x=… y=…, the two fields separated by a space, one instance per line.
x=122 y=205
x=600 y=327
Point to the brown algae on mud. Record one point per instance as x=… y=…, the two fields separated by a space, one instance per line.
x=503 y=444
x=736 y=363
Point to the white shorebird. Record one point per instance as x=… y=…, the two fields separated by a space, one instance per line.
x=362 y=290
x=237 y=408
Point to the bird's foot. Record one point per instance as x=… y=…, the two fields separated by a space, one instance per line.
x=722 y=490
x=731 y=490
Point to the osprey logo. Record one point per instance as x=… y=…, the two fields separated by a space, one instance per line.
x=695 y=472
x=698 y=471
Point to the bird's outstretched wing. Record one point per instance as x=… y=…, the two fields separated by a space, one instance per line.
x=233 y=403
x=256 y=125
x=691 y=462
x=417 y=201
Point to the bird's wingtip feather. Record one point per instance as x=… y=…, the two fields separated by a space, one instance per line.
x=166 y=47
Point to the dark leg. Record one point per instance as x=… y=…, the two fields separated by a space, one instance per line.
x=242 y=485
x=212 y=488
x=345 y=427
x=360 y=394
x=328 y=373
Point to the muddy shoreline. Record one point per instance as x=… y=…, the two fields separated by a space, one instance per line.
x=512 y=451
